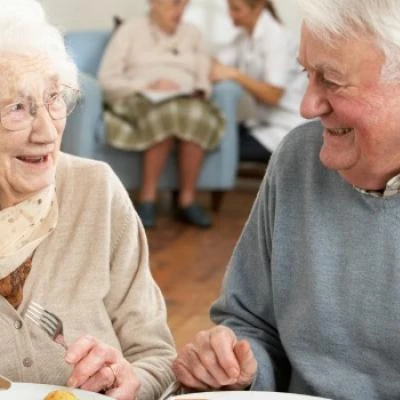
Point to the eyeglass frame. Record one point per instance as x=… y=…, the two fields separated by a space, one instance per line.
x=33 y=108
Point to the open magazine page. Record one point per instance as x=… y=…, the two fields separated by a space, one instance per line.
x=156 y=96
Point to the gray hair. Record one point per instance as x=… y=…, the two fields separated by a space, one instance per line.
x=379 y=19
x=24 y=30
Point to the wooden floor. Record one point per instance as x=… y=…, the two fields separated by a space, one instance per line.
x=189 y=263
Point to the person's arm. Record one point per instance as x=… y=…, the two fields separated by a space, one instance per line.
x=112 y=75
x=246 y=304
x=244 y=349
x=277 y=54
x=202 y=63
x=135 y=304
x=261 y=90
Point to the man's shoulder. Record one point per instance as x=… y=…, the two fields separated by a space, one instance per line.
x=298 y=150
x=303 y=137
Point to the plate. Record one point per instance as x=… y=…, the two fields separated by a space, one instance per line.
x=232 y=395
x=36 y=391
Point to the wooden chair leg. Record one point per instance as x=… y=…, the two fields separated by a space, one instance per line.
x=216 y=200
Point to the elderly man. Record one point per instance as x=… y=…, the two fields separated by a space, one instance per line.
x=315 y=309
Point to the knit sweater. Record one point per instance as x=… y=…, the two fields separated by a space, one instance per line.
x=93 y=272
x=314 y=281
x=139 y=53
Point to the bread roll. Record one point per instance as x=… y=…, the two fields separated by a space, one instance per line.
x=60 y=395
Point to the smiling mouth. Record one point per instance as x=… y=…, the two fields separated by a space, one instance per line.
x=339 y=131
x=33 y=159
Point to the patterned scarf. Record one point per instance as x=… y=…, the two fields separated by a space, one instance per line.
x=24 y=226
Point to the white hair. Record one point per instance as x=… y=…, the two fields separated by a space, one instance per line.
x=380 y=19
x=22 y=10
x=24 y=30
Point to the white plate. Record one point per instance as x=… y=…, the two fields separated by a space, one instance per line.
x=231 y=395
x=35 y=391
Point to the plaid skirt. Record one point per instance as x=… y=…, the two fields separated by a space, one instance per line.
x=135 y=123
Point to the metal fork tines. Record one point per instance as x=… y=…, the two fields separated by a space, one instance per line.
x=47 y=321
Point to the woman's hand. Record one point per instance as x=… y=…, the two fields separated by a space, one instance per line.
x=98 y=367
x=163 y=85
x=214 y=360
x=221 y=72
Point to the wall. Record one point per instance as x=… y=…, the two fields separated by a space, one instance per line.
x=87 y=14
x=84 y=14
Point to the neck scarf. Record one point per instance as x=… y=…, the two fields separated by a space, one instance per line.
x=12 y=286
x=24 y=226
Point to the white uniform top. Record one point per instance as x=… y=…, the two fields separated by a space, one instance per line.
x=269 y=55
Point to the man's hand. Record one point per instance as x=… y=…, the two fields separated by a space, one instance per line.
x=216 y=359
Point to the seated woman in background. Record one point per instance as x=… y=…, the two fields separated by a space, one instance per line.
x=158 y=56
x=263 y=60
x=70 y=238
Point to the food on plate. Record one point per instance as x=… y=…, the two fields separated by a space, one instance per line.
x=60 y=395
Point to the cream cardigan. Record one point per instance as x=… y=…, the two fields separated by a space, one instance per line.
x=140 y=53
x=93 y=272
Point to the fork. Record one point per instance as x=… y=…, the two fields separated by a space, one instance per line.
x=47 y=321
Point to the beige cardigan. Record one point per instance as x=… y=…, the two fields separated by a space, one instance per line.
x=93 y=272
x=139 y=53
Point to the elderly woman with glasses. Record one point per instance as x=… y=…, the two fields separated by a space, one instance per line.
x=155 y=74
x=70 y=238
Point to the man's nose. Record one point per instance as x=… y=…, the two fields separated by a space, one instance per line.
x=314 y=102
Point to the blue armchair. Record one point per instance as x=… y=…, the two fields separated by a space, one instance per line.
x=85 y=131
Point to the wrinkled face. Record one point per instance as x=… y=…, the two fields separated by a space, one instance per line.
x=27 y=156
x=243 y=15
x=168 y=13
x=359 y=111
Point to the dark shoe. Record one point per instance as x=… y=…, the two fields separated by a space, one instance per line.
x=194 y=215
x=147 y=213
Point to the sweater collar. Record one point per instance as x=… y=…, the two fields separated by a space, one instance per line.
x=392 y=188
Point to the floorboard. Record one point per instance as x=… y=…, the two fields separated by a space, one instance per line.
x=189 y=264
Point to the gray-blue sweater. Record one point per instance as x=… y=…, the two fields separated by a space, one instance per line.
x=314 y=281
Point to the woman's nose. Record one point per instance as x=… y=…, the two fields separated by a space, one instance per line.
x=314 y=103
x=44 y=128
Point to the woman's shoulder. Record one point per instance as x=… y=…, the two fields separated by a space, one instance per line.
x=89 y=190
x=135 y=24
x=86 y=180
x=83 y=171
x=188 y=28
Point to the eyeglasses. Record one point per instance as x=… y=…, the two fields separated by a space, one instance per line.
x=59 y=104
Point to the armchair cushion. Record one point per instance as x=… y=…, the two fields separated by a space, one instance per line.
x=86 y=49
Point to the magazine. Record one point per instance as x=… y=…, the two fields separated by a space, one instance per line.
x=157 y=96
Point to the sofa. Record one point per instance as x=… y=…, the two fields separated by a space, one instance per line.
x=85 y=132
